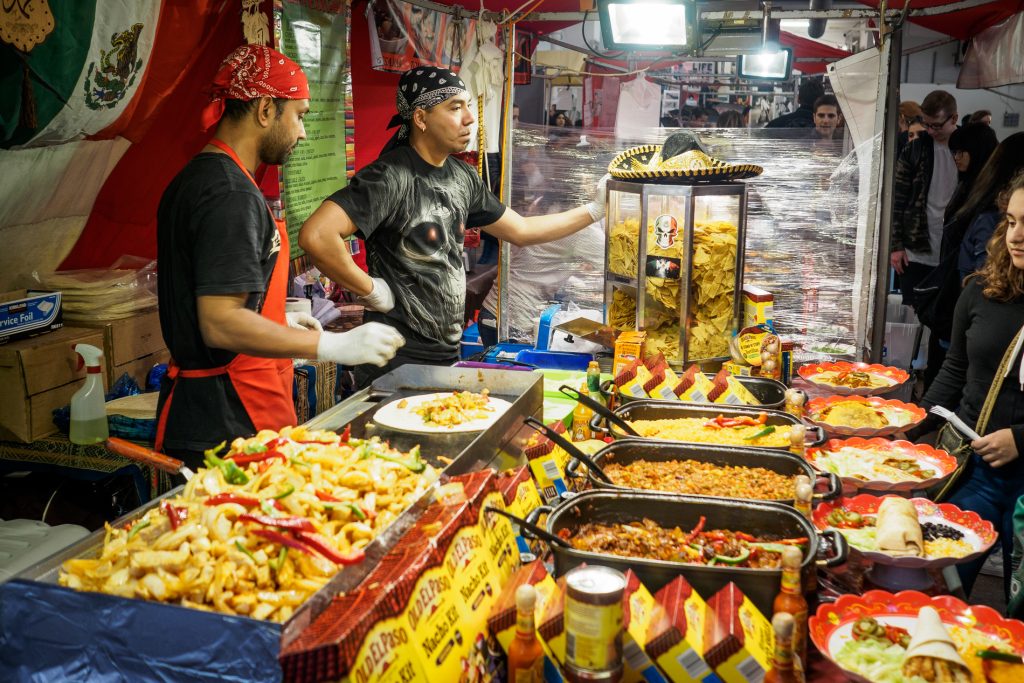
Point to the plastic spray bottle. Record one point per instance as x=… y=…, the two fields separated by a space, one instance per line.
x=88 y=413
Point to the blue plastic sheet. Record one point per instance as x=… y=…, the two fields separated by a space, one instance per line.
x=49 y=633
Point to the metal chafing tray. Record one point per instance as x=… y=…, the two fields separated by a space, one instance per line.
x=500 y=446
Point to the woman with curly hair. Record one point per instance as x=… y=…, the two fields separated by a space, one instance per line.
x=988 y=317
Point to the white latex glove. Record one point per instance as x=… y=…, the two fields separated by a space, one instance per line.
x=380 y=297
x=303 y=321
x=371 y=343
x=598 y=205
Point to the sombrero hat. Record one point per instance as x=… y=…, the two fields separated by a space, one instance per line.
x=681 y=159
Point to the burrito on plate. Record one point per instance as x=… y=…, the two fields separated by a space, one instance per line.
x=932 y=654
x=898 y=531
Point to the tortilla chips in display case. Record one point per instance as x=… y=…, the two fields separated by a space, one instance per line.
x=686 y=264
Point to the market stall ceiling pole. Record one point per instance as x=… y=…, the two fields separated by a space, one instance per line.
x=885 y=121
x=505 y=252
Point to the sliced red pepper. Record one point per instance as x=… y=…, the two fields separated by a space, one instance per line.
x=291 y=523
x=281 y=539
x=247 y=501
x=346 y=435
x=274 y=444
x=323 y=546
x=696 y=530
x=896 y=635
x=794 y=541
x=326 y=497
x=246 y=458
x=743 y=536
x=175 y=515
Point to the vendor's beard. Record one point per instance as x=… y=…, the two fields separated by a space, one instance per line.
x=276 y=147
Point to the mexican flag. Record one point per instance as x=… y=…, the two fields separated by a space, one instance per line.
x=82 y=76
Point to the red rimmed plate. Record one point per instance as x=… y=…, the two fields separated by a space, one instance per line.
x=887 y=377
x=899 y=415
x=832 y=626
x=852 y=458
x=979 y=533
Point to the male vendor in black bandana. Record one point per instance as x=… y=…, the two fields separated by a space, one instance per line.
x=413 y=206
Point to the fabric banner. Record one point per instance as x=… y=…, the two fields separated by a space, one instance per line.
x=317 y=40
x=526 y=43
x=110 y=74
x=403 y=36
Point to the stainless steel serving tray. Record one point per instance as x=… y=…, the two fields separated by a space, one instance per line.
x=626 y=451
x=667 y=510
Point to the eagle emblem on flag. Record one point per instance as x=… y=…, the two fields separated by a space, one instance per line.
x=106 y=84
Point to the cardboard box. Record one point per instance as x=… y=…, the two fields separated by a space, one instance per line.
x=38 y=375
x=758 y=307
x=25 y=313
x=738 y=639
x=675 y=637
x=629 y=346
x=130 y=338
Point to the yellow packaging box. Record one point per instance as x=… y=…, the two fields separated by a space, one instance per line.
x=502 y=621
x=551 y=625
x=739 y=641
x=434 y=615
x=758 y=306
x=629 y=346
x=638 y=608
x=734 y=368
x=386 y=656
x=675 y=636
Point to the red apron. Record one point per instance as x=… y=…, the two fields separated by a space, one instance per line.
x=264 y=385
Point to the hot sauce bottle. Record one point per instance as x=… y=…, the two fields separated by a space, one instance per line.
x=791 y=601
x=784 y=669
x=525 y=656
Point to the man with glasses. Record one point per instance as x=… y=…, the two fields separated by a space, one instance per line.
x=926 y=177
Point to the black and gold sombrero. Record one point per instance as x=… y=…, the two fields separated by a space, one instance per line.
x=681 y=159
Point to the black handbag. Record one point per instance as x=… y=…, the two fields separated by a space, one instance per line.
x=959 y=446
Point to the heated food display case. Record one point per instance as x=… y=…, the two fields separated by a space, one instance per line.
x=679 y=279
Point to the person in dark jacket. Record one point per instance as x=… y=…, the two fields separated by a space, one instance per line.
x=803 y=117
x=971 y=145
x=925 y=179
x=988 y=316
x=981 y=207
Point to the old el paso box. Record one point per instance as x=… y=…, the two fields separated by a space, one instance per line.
x=25 y=313
x=675 y=636
x=738 y=639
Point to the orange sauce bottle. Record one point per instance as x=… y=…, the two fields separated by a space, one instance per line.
x=791 y=601
x=784 y=669
x=525 y=656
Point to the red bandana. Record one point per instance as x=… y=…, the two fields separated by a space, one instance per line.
x=254 y=71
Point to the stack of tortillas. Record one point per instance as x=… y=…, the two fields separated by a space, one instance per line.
x=137 y=407
x=932 y=654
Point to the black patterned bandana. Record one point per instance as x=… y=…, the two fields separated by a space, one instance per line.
x=421 y=87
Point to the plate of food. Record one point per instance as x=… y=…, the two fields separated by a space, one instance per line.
x=909 y=637
x=865 y=416
x=910 y=533
x=444 y=412
x=880 y=465
x=854 y=379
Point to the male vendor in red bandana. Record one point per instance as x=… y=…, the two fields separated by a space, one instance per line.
x=223 y=264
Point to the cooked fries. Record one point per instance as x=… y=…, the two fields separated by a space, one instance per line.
x=262 y=528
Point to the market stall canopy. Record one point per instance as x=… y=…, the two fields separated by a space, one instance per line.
x=995 y=57
x=961 y=24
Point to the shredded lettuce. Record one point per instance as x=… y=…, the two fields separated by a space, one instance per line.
x=874 y=660
x=862 y=539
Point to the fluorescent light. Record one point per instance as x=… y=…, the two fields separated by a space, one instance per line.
x=767 y=64
x=647 y=24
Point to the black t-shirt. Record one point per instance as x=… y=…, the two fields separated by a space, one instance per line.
x=214 y=236
x=414 y=216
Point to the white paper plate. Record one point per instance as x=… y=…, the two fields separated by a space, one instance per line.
x=405 y=419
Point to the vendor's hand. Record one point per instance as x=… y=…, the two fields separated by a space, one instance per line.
x=371 y=343
x=899 y=260
x=598 y=204
x=997 y=448
x=380 y=297
x=303 y=321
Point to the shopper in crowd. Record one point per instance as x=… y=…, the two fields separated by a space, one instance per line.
x=699 y=118
x=552 y=115
x=730 y=118
x=827 y=118
x=925 y=179
x=981 y=206
x=224 y=270
x=561 y=120
x=937 y=294
x=982 y=116
x=412 y=207
x=803 y=117
x=910 y=112
x=914 y=131
x=988 y=316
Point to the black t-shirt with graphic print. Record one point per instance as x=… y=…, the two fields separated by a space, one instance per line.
x=414 y=216
x=214 y=236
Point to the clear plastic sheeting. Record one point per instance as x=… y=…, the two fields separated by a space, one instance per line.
x=806 y=240
x=126 y=288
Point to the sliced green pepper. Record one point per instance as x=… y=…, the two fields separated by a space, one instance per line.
x=727 y=559
x=238 y=544
x=762 y=432
x=281 y=555
x=357 y=511
x=1000 y=656
x=771 y=547
x=267 y=506
x=284 y=494
x=297 y=461
x=256 y=448
x=137 y=527
x=233 y=474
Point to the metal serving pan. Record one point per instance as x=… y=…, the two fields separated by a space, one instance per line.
x=626 y=451
x=650 y=409
x=771 y=393
x=758 y=518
